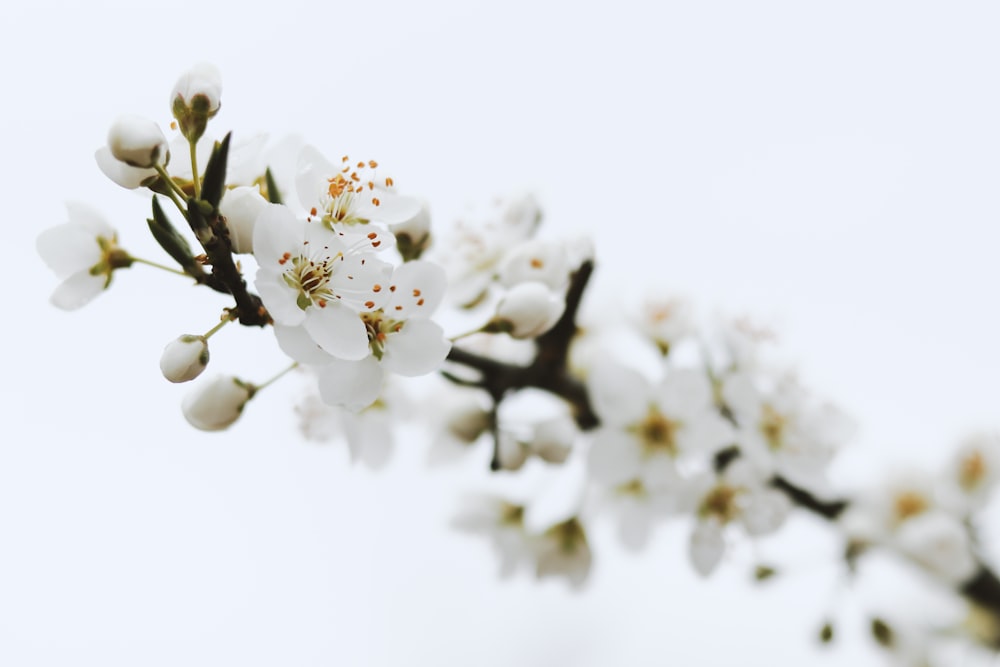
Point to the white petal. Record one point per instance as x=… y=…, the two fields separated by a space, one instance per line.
x=706 y=432
x=706 y=547
x=420 y=286
x=279 y=298
x=614 y=457
x=352 y=384
x=685 y=393
x=392 y=209
x=418 y=349
x=634 y=524
x=312 y=171
x=765 y=512
x=619 y=395
x=299 y=345
x=77 y=290
x=742 y=396
x=338 y=330
x=119 y=172
x=68 y=249
x=275 y=233
x=90 y=219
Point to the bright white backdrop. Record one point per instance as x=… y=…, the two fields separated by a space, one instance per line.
x=830 y=169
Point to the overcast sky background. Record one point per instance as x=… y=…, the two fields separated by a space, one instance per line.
x=830 y=169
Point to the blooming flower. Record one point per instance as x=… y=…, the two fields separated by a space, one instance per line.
x=83 y=253
x=643 y=424
x=738 y=495
x=309 y=277
x=351 y=194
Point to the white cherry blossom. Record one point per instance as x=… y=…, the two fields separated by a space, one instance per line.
x=642 y=423
x=318 y=280
x=349 y=194
x=83 y=253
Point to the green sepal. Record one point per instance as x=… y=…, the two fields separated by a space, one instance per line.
x=199 y=222
x=171 y=241
x=214 y=183
x=273 y=194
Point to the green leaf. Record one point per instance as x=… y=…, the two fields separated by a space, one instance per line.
x=273 y=194
x=214 y=183
x=171 y=241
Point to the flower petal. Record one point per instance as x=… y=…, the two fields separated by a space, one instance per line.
x=614 y=458
x=299 y=345
x=420 y=286
x=418 y=349
x=352 y=384
x=77 y=290
x=338 y=330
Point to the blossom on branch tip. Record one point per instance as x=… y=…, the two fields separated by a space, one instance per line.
x=217 y=403
x=84 y=253
x=196 y=98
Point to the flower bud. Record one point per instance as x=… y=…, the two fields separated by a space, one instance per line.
x=527 y=310
x=217 y=403
x=413 y=236
x=185 y=358
x=240 y=207
x=553 y=439
x=196 y=98
x=138 y=142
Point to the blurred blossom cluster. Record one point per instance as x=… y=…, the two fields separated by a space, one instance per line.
x=483 y=334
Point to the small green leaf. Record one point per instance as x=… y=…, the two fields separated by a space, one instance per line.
x=273 y=194
x=214 y=183
x=171 y=241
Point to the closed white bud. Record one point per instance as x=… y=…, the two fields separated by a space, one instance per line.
x=240 y=208
x=201 y=87
x=184 y=358
x=195 y=99
x=138 y=142
x=217 y=403
x=527 y=310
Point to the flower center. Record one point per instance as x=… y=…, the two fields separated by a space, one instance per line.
x=378 y=327
x=909 y=504
x=341 y=204
x=657 y=433
x=971 y=471
x=721 y=503
x=311 y=275
x=772 y=426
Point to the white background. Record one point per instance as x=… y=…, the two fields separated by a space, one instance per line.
x=829 y=168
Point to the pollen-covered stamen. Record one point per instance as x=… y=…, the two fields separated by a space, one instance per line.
x=657 y=433
x=722 y=502
x=350 y=194
x=379 y=326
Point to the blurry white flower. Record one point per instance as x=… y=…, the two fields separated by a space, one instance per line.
x=563 y=551
x=83 y=253
x=643 y=424
x=503 y=523
x=185 y=358
x=138 y=142
x=940 y=543
x=217 y=403
x=737 y=496
x=535 y=260
x=527 y=310
x=974 y=470
x=665 y=321
x=196 y=98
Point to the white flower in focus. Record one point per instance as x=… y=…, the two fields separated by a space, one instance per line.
x=135 y=146
x=642 y=424
x=240 y=207
x=83 y=253
x=216 y=404
x=350 y=194
x=401 y=337
x=185 y=358
x=527 y=310
x=310 y=278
